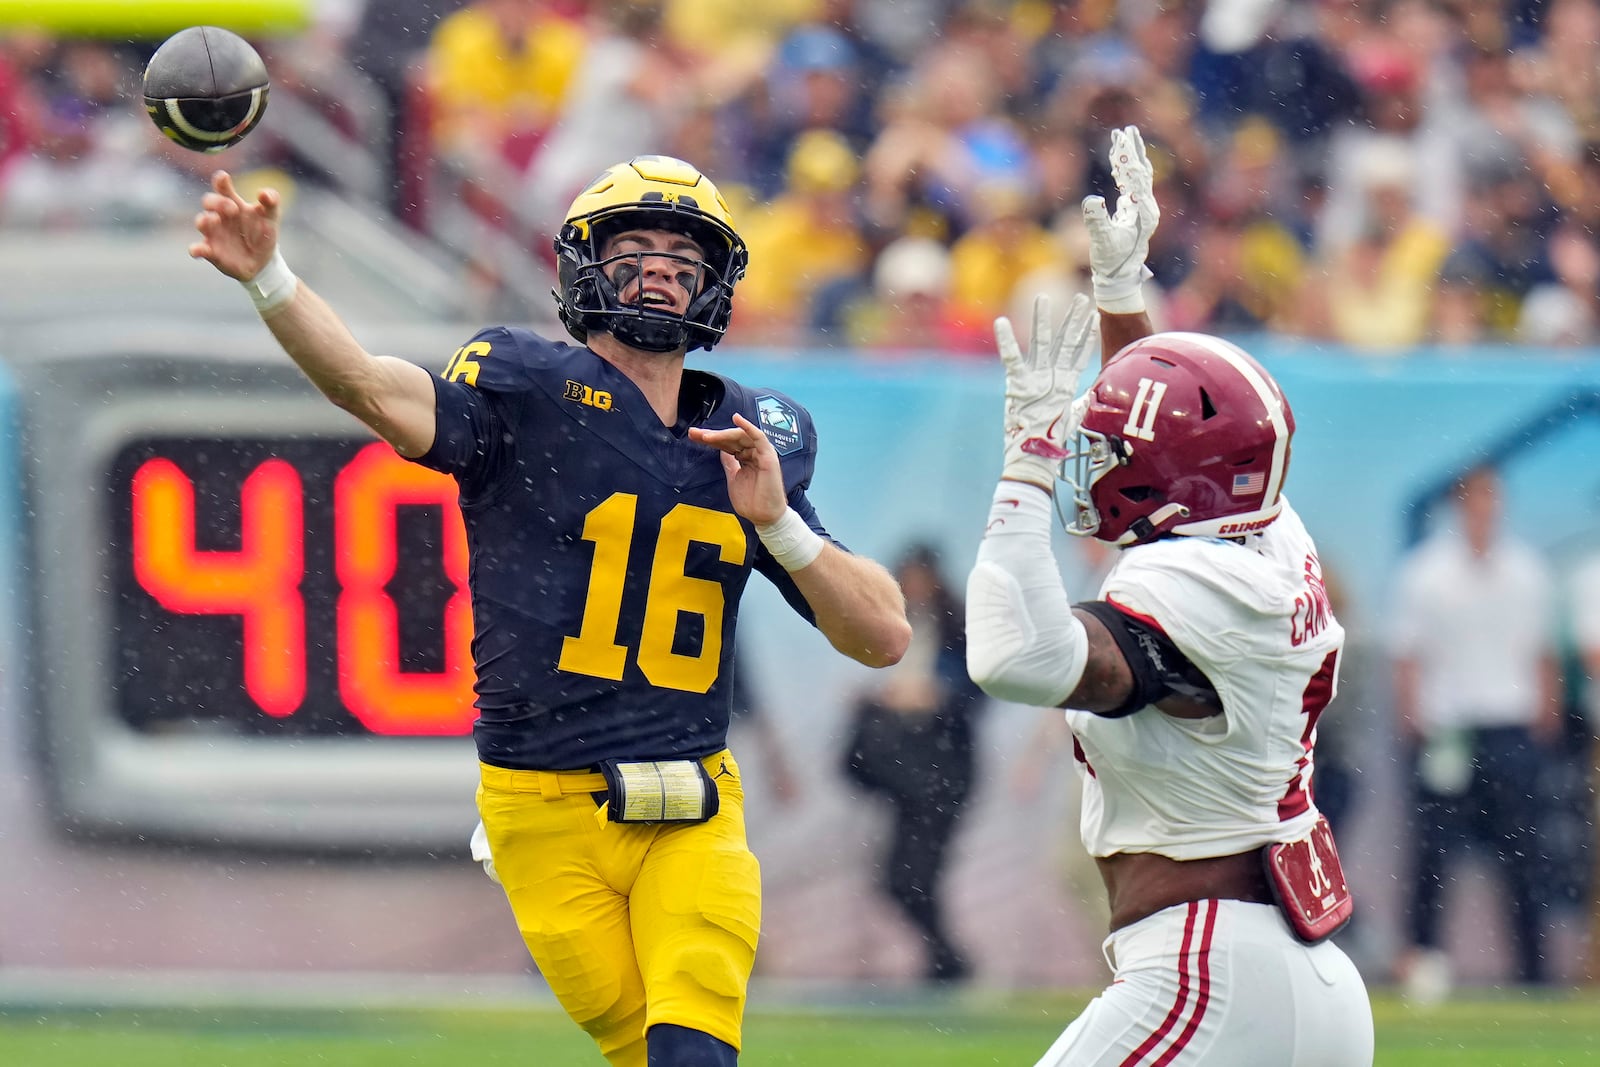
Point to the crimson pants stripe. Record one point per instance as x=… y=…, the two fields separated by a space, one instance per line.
x=1203 y=961
x=1202 y=982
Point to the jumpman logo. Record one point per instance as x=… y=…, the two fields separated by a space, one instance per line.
x=722 y=770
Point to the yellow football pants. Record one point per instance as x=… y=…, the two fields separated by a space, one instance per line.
x=630 y=924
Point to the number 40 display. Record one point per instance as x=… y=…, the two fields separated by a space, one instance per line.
x=260 y=582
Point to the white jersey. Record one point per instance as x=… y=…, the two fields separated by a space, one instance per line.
x=1255 y=619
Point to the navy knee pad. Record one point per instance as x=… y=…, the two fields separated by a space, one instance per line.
x=679 y=1046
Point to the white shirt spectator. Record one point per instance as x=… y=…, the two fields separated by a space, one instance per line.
x=1478 y=629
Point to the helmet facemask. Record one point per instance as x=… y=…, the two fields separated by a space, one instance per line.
x=1095 y=456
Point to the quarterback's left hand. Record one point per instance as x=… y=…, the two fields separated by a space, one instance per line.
x=755 y=474
x=1042 y=416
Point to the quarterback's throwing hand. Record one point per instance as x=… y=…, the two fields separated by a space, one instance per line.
x=1119 y=243
x=236 y=236
x=1041 y=415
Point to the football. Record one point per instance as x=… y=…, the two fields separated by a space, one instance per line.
x=205 y=88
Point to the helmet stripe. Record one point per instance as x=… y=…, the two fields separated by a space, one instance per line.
x=1233 y=356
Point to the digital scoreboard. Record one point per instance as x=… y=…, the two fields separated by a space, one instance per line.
x=248 y=620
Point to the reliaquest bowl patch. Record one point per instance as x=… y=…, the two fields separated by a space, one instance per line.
x=780 y=422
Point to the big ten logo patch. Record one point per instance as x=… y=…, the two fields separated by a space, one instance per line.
x=579 y=393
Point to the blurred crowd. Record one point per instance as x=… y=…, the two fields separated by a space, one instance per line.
x=1373 y=173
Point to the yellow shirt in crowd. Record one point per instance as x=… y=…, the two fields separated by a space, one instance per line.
x=474 y=69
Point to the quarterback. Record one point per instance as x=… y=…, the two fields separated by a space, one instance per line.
x=616 y=504
x=1192 y=683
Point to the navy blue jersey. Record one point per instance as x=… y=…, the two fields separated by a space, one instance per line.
x=606 y=562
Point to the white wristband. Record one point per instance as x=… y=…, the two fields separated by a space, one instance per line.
x=273 y=286
x=792 y=543
x=1121 y=296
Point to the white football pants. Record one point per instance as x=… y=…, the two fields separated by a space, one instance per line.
x=1220 y=982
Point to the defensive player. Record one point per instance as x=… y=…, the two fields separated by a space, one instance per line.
x=616 y=504
x=1193 y=682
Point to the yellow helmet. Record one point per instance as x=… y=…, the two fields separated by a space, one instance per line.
x=647 y=192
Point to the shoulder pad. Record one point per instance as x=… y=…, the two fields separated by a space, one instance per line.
x=504 y=359
x=1206 y=575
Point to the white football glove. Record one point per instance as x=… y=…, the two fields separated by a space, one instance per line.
x=1041 y=414
x=480 y=852
x=1120 y=243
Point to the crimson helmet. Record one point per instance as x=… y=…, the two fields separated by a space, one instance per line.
x=1184 y=434
x=647 y=192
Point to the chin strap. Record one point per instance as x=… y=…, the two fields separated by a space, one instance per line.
x=1149 y=527
x=651 y=335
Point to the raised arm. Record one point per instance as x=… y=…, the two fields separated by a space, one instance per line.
x=1025 y=643
x=856 y=601
x=1119 y=331
x=1119 y=244
x=240 y=238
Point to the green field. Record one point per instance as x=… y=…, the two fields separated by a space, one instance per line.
x=1503 y=1031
